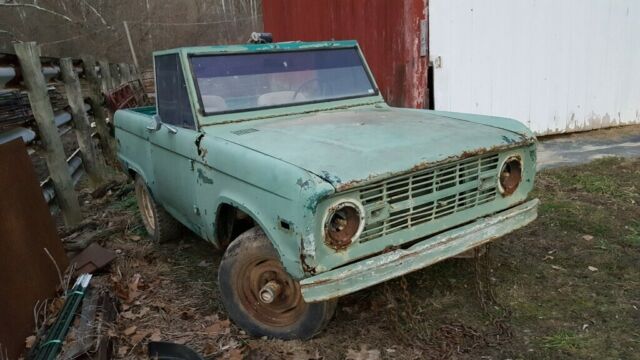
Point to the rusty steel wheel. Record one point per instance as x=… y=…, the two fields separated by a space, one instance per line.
x=261 y=297
x=159 y=224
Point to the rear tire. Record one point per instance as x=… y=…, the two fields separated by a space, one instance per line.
x=160 y=226
x=249 y=264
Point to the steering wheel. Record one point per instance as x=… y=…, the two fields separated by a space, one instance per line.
x=304 y=85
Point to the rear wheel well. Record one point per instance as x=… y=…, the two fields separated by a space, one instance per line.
x=230 y=223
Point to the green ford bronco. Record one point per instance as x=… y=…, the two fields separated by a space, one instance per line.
x=286 y=156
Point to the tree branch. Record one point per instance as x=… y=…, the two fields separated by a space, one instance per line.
x=10 y=33
x=93 y=9
x=40 y=8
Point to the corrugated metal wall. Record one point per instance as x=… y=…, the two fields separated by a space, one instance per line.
x=387 y=30
x=559 y=66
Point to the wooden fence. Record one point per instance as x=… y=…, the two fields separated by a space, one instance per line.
x=84 y=82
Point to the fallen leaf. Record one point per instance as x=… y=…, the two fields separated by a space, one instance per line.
x=587 y=237
x=139 y=336
x=128 y=315
x=181 y=341
x=130 y=330
x=135 y=237
x=234 y=354
x=211 y=318
x=209 y=349
x=592 y=268
x=218 y=328
x=122 y=351
x=29 y=341
x=155 y=335
x=133 y=287
x=363 y=354
x=187 y=315
x=144 y=311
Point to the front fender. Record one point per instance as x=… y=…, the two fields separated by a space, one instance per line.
x=284 y=242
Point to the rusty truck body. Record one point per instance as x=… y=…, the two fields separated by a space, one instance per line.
x=287 y=156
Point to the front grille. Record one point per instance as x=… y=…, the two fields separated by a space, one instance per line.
x=409 y=200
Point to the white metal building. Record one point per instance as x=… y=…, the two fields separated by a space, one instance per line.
x=557 y=65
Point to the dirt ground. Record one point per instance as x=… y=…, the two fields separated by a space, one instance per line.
x=565 y=287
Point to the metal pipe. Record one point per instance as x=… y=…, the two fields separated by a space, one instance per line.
x=62 y=118
x=27 y=135
x=50 y=72
x=75 y=169
x=7 y=73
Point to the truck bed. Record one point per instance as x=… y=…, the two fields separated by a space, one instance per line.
x=145 y=110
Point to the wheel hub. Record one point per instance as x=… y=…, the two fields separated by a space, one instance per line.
x=268 y=292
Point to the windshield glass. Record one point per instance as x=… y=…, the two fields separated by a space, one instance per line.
x=228 y=83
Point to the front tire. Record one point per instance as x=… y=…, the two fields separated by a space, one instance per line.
x=249 y=266
x=160 y=226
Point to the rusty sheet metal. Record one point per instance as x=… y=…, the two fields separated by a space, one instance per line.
x=351 y=278
x=27 y=274
x=93 y=258
x=122 y=97
x=388 y=32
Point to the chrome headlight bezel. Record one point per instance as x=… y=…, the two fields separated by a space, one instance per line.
x=510 y=174
x=351 y=210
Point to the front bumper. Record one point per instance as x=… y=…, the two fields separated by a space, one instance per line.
x=365 y=273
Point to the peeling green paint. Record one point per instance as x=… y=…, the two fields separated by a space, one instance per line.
x=204 y=178
x=389 y=265
x=303 y=159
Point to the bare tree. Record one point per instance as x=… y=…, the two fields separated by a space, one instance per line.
x=76 y=27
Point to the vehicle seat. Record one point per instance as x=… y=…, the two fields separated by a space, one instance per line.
x=279 y=97
x=213 y=103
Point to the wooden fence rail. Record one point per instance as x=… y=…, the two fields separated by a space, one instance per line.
x=83 y=80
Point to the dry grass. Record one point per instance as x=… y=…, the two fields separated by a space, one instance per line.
x=532 y=297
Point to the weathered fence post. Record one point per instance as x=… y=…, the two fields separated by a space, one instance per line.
x=81 y=121
x=100 y=114
x=29 y=57
x=115 y=76
x=105 y=76
x=133 y=69
x=125 y=73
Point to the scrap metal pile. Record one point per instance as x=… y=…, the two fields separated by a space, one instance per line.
x=15 y=109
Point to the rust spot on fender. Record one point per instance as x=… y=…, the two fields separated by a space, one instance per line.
x=303 y=262
x=202 y=151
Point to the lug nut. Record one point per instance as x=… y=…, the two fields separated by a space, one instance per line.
x=270 y=292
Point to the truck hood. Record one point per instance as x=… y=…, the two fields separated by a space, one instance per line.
x=355 y=146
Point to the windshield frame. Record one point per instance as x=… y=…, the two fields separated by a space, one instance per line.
x=363 y=64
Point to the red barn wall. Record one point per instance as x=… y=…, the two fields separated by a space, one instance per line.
x=388 y=32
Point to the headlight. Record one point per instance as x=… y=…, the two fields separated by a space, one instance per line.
x=343 y=224
x=510 y=175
